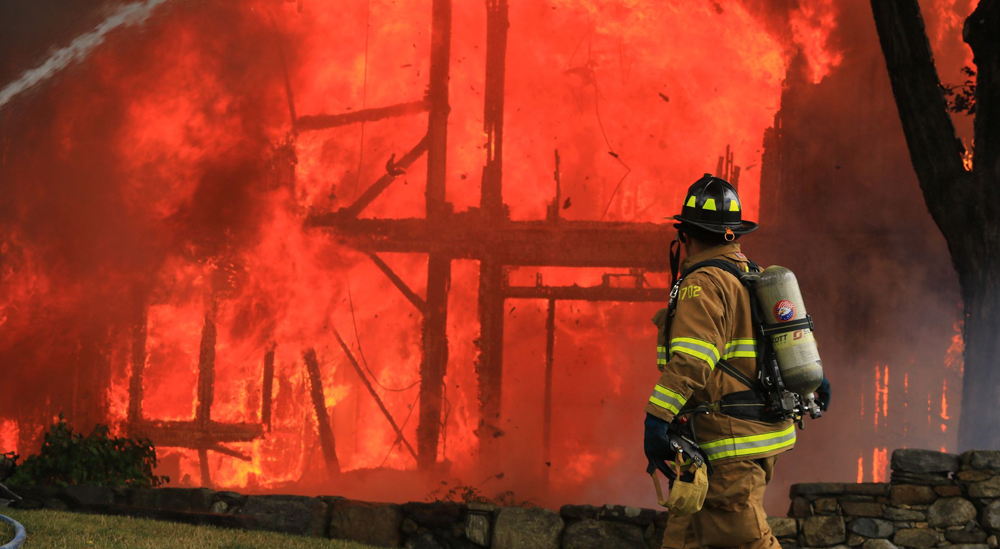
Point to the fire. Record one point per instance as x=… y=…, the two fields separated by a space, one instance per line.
x=881 y=393
x=812 y=24
x=880 y=464
x=954 y=358
x=9 y=436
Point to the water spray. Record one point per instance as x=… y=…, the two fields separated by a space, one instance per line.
x=129 y=14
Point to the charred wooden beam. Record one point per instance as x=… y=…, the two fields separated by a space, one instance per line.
x=465 y=236
x=489 y=362
x=284 y=70
x=206 y=368
x=588 y=293
x=393 y=170
x=206 y=471
x=267 y=387
x=491 y=198
x=437 y=117
x=91 y=377
x=410 y=295
x=194 y=434
x=435 y=359
x=550 y=344
x=313 y=122
x=229 y=452
x=137 y=358
x=435 y=323
x=371 y=390
x=326 y=439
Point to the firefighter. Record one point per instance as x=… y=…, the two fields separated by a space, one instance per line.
x=711 y=323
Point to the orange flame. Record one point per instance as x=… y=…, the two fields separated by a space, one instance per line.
x=9 y=436
x=880 y=464
x=812 y=24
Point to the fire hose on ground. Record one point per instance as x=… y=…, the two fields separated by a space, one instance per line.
x=19 y=534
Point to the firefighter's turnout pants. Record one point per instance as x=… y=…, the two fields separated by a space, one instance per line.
x=733 y=515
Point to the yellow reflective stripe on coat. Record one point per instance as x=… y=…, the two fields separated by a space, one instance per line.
x=696 y=348
x=749 y=445
x=741 y=348
x=668 y=399
x=661 y=355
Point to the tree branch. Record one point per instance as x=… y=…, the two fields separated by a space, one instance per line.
x=930 y=135
x=981 y=33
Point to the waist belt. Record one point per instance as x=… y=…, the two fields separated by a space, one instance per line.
x=740 y=405
x=749 y=404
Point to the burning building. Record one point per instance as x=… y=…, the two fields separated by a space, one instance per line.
x=361 y=246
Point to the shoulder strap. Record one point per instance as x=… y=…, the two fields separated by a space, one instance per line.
x=740 y=275
x=727 y=266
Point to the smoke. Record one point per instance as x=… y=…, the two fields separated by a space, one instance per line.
x=126 y=15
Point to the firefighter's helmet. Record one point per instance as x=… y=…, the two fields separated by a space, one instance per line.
x=713 y=205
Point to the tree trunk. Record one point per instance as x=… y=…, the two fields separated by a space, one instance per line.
x=979 y=425
x=964 y=204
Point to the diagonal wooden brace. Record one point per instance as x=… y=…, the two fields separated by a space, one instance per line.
x=412 y=296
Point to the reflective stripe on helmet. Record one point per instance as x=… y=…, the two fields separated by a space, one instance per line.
x=665 y=398
x=741 y=348
x=750 y=445
x=696 y=348
x=709 y=204
x=691 y=201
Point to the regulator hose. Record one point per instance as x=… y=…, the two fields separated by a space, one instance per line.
x=19 y=534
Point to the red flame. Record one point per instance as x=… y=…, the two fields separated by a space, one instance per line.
x=812 y=24
x=9 y=436
x=880 y=464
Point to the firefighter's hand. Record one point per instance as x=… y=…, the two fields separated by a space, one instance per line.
x=656 y=444
x=823 y=395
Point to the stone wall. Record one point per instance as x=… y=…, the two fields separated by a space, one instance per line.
x=436 y=525
x=933 y=500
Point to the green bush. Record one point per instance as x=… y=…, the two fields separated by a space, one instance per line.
x=71 y=458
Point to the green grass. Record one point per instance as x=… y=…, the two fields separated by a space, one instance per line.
x=6 y=531
x=60 y=530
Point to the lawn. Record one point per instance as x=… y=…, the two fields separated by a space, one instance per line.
x=60 y=530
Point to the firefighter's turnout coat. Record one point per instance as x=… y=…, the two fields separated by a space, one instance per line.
x=712 y=323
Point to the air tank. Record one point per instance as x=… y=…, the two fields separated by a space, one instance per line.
x=795 y=347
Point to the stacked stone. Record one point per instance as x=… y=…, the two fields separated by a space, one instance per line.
x=934 y=500
x=834 y=514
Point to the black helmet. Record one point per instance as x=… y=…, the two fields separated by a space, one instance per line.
x=713 y=205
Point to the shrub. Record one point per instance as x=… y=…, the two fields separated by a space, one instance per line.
x=470 y=494
x=71 y=458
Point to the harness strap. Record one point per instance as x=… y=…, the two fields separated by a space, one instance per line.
x=736 y=374
x=800 y=324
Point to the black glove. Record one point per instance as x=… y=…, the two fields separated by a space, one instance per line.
x=656 y=444
x=823 y=395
